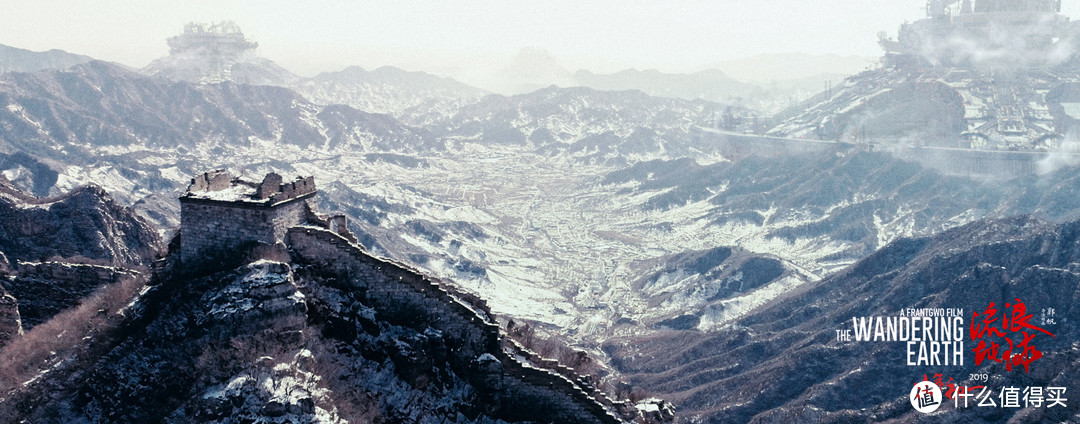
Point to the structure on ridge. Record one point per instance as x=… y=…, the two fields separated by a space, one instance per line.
x=220 y=214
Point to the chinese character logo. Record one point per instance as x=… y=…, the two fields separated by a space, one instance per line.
x=925 y=397
x=1014 y=328
x=949 y=389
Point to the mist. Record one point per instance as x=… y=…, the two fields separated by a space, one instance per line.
x=454 y=39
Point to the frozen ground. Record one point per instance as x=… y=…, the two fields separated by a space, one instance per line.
x=541 y=237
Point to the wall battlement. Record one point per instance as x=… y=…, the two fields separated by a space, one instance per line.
x=220 y=186
x=401 y=294
x=44 y=289
x=61 y=271
x=220 y=214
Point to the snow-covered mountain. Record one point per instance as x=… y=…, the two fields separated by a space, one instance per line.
x=549 y=202
x=13 y=59
x=783 y=362
x=592 y=125
x=388 y=90
x=591 y=214
x=219 y=52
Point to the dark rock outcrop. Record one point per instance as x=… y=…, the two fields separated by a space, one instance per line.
x=782 y=363
x=335 y=335
x=83 y=225
x=10 y=321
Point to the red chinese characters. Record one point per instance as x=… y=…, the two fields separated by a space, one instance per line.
x=948 y=388
x=1015 y=328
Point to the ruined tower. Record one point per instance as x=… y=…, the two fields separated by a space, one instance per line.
x=220 y=214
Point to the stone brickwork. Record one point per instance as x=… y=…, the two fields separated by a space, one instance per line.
x=210 y=228
x=298 y=188
x=402 y=295
x=96 y=275
x=269 y=186
x=220 y=214
x=211 y=181
x=43 y=289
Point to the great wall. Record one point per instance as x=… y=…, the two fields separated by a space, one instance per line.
x=220 y=213
x=44 y=289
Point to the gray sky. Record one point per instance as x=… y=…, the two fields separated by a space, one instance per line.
x=310 y=36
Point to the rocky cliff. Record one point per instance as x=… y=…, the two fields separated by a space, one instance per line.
x=330 y=335
x=783 y=362
x=85 y=224
x=56 y=252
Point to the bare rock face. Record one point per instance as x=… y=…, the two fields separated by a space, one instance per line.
x=49 y=245
x=10 y=324
x=266 y=291
x=45 y=289
x=83 y=225
x=782 y=363
x=299 y=341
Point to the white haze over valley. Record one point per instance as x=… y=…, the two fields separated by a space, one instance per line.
x=475 y=41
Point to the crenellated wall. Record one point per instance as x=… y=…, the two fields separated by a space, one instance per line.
x=521 y=390
x=208 y=228
x=220 y=214
x=96 y=275
x=43 y=289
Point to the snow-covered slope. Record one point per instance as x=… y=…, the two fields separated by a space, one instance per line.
x=388 y=90
x=783 y=363
x=591 y=214
x=556 y=229
x=13 y=59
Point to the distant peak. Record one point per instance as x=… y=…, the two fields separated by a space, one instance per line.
x=223 y=37
x=21 y=60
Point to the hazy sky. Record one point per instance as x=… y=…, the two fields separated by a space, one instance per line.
x=310 y=36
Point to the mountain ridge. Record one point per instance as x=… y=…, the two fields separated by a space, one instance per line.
x=14 y=59
x=789 y=349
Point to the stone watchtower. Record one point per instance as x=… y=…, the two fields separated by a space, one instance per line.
x=220 y=214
